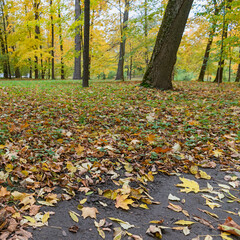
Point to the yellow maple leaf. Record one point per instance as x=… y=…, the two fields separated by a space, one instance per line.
x=79 y=149
x=217 y=153
x=188 y=185
x=122 y=201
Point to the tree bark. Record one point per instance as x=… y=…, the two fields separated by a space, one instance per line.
x=159 y=71
x=77 y=62
x=5 y=66
x=238 y=71
x=219 y=76
x=209 y=44
x=123 y=26
x=36 y=5
x=86 y=74
x=146 y=30
x=52 y=38
x=61 y=42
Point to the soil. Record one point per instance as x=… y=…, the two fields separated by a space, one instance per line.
x=159 y=189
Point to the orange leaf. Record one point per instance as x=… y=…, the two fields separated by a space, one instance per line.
x=230 y=226
x=161 y=150
x=4 y=192
x=122 y=201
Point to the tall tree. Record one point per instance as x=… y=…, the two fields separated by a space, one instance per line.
x=86 y=59
x=238 y=70
x=52 y=38
x=36 y=4
x=159 y=71
x=209 y=43
x=219 y=76
x=146 y=30
x=61 y=40
x=78 y=42
x=123 y=26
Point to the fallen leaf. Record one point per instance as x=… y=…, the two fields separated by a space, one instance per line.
x=154 y=231
x=73 y=216
x=73 y=229
x=45 y=217
x=124 y=225
x=173 y=198
x=183 y=222
x=188 y=185
x=122 y=201
x=186 y=231
x=4 y=192
x=89 y=212
x=174 y=207
x=230 y=226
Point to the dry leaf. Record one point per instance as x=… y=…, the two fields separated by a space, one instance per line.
x=188 y=185
x=174 y=207
x=124 y=225
x=183 y=222
x=73 y=216
x=154 y=231
x=230 y=226
x=89 y=212
x=122 y=201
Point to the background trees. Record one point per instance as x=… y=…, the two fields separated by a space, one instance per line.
x=44 y=39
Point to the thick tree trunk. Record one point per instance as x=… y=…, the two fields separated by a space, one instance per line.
x=219 y=76
x=86 y=74
x=61 y=42
x=5 y=66
x=37 y=33
x=123 y=26
x=17 y=72
x=209 y=44
x=30 y=68
x=77 y=62
x=146 y=30
x=52 y=39
x=5 y=40
x=159 y=71
x=238 y=74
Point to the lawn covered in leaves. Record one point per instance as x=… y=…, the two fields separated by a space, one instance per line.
x=56 y=134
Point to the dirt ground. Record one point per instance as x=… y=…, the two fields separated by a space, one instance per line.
x=159 y=189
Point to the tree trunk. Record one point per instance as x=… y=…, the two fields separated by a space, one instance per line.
x=5 y=66
x=30 y=68
x=219 y=76
x=209 y=44
x=36 y=5
x=238 y=71
x=5 y=40
x=77 y=62
x=123 y=26
x=146 y=30
x=86 y=74
x=159 y=71
x=61 y=41
x=52 y=38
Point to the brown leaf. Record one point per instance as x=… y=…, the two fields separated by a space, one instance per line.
x=174 y=207
x=4 y=192
x=34 y=209
x=161 y=150
x=73 y=229
x=89 y=212
x=230 y=226
x=203 y=221
x=12 y=225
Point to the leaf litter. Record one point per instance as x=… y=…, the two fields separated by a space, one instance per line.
x=75 y=139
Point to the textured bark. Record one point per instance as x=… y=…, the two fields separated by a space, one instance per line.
x=86 y=74
x=219 y=76
x=123 y=26
x=209 y=44
x=5 y=66
x=146 y=30
x=238 y=74
x=36 y=5
x=77 y=62
x=159 y=71
x=61 y=42
x=52 y=40
x=5 y=40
